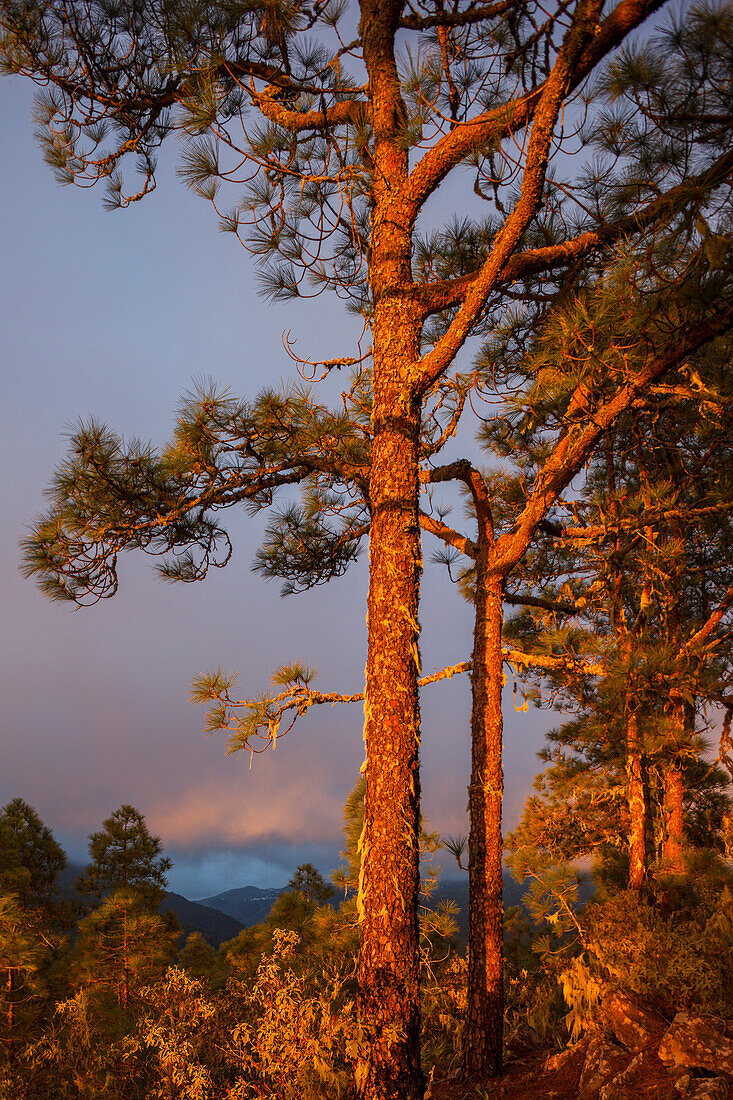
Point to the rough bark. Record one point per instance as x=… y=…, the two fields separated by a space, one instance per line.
x=389 y=1001
x=125 y=959
x=482 y=1050
x=10 y=999
x=10 y=987
x=672 y=844
x=637 y=805
x=388 y=967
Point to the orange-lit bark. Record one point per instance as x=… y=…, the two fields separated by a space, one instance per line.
x=483 y=1034
x=485 y=1011
x=388 y=968
x=672 y=844
x=125 y=958
x=11 y=1007
x=637 y=806
x=389 y=1002
x=682 y=722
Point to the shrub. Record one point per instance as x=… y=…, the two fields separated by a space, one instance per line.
x=299 y=1033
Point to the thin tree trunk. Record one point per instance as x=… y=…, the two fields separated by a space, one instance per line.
x=681 y=716
x=125 y=981
x=484 y=1031
x=672 y=843
x=10 y=1016
x=637 y=806
x=483 y=1038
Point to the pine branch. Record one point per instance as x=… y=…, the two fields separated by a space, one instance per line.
x=511 y=117
x=443 y=294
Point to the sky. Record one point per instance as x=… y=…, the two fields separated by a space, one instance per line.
x=112 y=315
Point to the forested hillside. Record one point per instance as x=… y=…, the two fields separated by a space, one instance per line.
x=104 y=983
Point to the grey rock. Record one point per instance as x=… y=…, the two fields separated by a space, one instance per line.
x=521 y=1041
x=625 y=1085
x=711 y=1088
x=603 y=1062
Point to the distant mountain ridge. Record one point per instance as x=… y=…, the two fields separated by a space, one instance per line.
x=216 y=927
x=248 y=904
x=251 y=904
x=222 y=916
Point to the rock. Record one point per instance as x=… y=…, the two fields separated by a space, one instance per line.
x=571 y=1056
x=711 y=1088
x=567 y=1065
x=603 y=1062
x=634 y=1025
x=699 y=1042
x=628 y=1083
x=521 y=1041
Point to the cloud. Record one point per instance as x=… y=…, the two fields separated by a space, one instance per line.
x=216 y=814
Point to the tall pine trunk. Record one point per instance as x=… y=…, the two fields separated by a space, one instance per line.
x=389 y=991
x=389 y=887
x=483 y=1037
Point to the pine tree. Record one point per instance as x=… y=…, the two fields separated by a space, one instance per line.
x=309 y=882
x=22 y=954
x=30 y=859
x=121 y=946
x=652 y=517
x=124 y=940
x=32 y=917
x=125 y=855
x=197 y=957
x=350 y=143
x=305 y=550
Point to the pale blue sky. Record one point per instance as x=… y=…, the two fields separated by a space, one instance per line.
x=111 y=315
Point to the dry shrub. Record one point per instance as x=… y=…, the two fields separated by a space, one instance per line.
x=299 y=1034
x=674 y=954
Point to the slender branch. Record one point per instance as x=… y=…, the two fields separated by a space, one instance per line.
x=265 y=715
x=585 y=534
x=708 y=627
x=445 y=293
x=429 y=369
x=448 y=535
x=512 y=117
x=538 y=601
x=456 y=19
x=342 y=113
